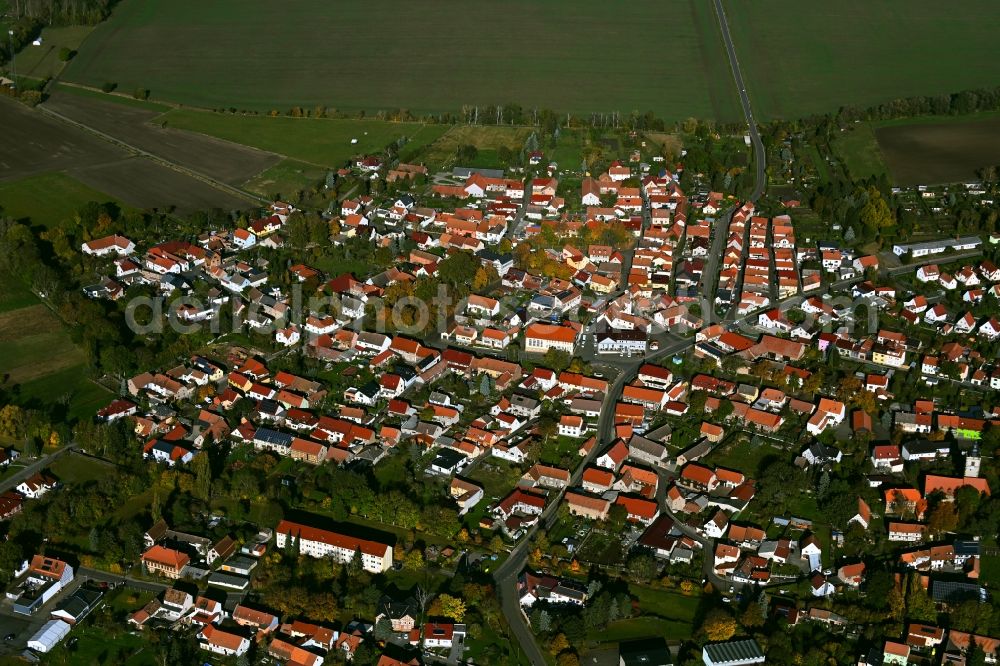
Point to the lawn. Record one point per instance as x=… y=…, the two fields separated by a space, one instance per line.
x=286 y=178
x=42 y=62
x=989 y=571
x=740 y=454
x=73 y=468
x=14 y=294
x=99 y=646
x=809 y=57
x=577 y=57
x=487 y=140
x=858 y=148
x=324 y=142
x=497 y=477
x=35 y=345
x=678 y=610
x=561 y=451
x=77 y=396
x=41 y=358
x=643 y=627
x=49 y=200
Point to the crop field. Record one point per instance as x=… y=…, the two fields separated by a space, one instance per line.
x=801 y=57
x=49 y=199
x=319 y=141
x=143 y=183
x=939 y=153
x=35 y=144
x=223 y=160
x=579 y=57
x=922 y=151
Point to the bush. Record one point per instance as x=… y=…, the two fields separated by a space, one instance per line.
x=108 y=87
x=141 y=93
x=66 y=54
x=31 y=97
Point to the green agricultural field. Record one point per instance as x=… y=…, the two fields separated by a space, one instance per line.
x=48 y=200
x=42 y=62
x=579 y=57
x=810 y=56
x=318 y=141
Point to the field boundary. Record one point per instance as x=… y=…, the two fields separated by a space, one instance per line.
x=208 y=180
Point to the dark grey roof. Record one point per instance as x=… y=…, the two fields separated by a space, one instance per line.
x=956 y=591
x=734 y=651
x=966 y=547
x=448 y=458
x=646 y=652
x=465 y=172
x=273 y=437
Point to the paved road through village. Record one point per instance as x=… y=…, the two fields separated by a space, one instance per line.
x=506 y=574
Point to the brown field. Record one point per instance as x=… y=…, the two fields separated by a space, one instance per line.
x=34 y=144
x=139 y=179
x=222 y=160
x=929 y=154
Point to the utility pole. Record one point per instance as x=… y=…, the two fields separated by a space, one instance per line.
x=13 y=62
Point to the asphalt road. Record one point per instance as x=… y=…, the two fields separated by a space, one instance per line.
x=37 y=466
x=734 y=63
x=506 y=574
x=105 y=577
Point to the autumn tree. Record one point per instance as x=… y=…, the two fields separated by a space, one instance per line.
x=558 y=644
x=13 y=421
x=445 y=605
x=719 y=625
x=568 y=658
x=943 y=518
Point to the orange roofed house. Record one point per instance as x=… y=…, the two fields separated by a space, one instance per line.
x=165 y=561
x=539 y=338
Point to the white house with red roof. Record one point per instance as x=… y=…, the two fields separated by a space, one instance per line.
x=102 y=247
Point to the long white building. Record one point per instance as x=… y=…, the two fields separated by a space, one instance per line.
x=376 y=557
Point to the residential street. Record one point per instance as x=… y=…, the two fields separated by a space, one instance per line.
x=37 y=466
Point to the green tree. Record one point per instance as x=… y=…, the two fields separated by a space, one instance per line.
x=876 y=214
x=202 y=469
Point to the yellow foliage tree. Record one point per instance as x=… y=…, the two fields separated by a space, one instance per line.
x=719 y=625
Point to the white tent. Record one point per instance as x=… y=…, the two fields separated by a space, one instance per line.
x=49 y=636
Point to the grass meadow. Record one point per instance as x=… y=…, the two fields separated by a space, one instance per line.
x=48 y=200
x=578 y=57
x=322 y=142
